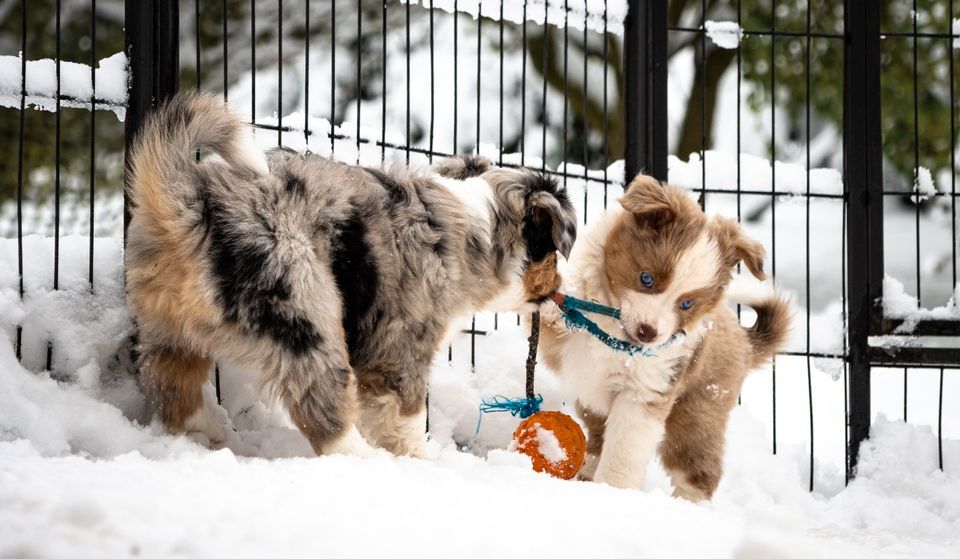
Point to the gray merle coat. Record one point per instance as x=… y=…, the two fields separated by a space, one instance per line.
x=339 y=282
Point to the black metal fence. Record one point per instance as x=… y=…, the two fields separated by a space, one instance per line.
x=567 y=115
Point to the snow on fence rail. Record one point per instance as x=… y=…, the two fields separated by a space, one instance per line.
x=597 y=15
x=74 y=85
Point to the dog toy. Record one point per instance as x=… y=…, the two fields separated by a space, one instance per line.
x=554 y=442
x=575 y=320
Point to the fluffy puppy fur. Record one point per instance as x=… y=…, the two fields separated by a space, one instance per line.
x=339 y=282
x=667 y=266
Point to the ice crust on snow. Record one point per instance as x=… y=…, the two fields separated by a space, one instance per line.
x=724 y=34
x=597 y=15
x=75 y=83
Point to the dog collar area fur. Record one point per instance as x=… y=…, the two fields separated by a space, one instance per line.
x=571 y=308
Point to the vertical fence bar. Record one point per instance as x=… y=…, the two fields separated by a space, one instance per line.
x=138 y=44
x=18 y=349
x=359 y=73
x=279 y=73
x=151 y=39
x=645 y=88
x=606 y=113
x=863 y=180
x=383 y=88
x=93 y=133
x=56 y=179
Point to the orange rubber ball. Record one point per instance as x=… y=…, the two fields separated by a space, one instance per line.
x=554 y=441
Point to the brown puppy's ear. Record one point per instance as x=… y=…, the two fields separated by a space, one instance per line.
x=735 y=247
x=547 y=212
x=646 y=198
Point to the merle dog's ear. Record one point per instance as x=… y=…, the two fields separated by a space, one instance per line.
x=647 y=199
x=735 y=247
x=553 y=211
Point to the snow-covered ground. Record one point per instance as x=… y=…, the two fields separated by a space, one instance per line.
x=85 y=471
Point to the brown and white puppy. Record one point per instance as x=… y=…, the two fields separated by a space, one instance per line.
x=339 y=282
x=667 y=266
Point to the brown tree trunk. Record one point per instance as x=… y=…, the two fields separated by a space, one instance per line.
x=696 y=132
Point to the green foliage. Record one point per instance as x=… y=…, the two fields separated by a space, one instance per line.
x=935 y=108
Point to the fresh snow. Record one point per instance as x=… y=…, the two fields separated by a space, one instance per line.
x=597 y=15
x=923 y=185
x=76 y=88
x=549 y=446
x=724 y=34
x=81 y=480
x=897 y=303
x=86 y=472
x=755 y=174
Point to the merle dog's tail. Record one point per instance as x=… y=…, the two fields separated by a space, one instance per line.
x=161 y=169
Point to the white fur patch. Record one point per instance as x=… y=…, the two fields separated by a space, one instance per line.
x=748 y=290
x=512 y=298
x=475 y=194
x=353 y=443
x=629 y=442
x=202 y=421
x=383 y=425
x=250 y=155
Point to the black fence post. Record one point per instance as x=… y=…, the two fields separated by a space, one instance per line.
x=645 y=89
x=152 y=44
x=863 y=177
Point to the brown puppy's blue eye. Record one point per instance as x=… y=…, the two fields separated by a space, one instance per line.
x=686 y=305
x=646 y=279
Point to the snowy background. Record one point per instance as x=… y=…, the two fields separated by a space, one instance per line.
x=85 y=471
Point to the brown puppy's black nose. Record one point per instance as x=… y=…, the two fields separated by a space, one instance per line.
x=646 y=333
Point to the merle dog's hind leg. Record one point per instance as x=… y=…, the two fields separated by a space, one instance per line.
x=319 y=391
x=393 y=415
x=173 y=379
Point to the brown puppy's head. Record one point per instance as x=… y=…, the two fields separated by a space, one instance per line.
x=534 y=221
x=668 y=264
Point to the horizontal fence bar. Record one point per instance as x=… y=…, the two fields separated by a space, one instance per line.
x=889 y=326
x=918 y=35
x=764 y=33
x=70 y=102
x=933 y=357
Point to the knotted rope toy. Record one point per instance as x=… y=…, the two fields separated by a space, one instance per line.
x=553 y=440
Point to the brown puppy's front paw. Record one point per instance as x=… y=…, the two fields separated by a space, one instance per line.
x=589 y=468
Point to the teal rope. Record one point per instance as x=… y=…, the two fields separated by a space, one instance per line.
x=524 y=407
x=575 y=320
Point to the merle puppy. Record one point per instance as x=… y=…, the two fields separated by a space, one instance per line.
x=338 y=282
